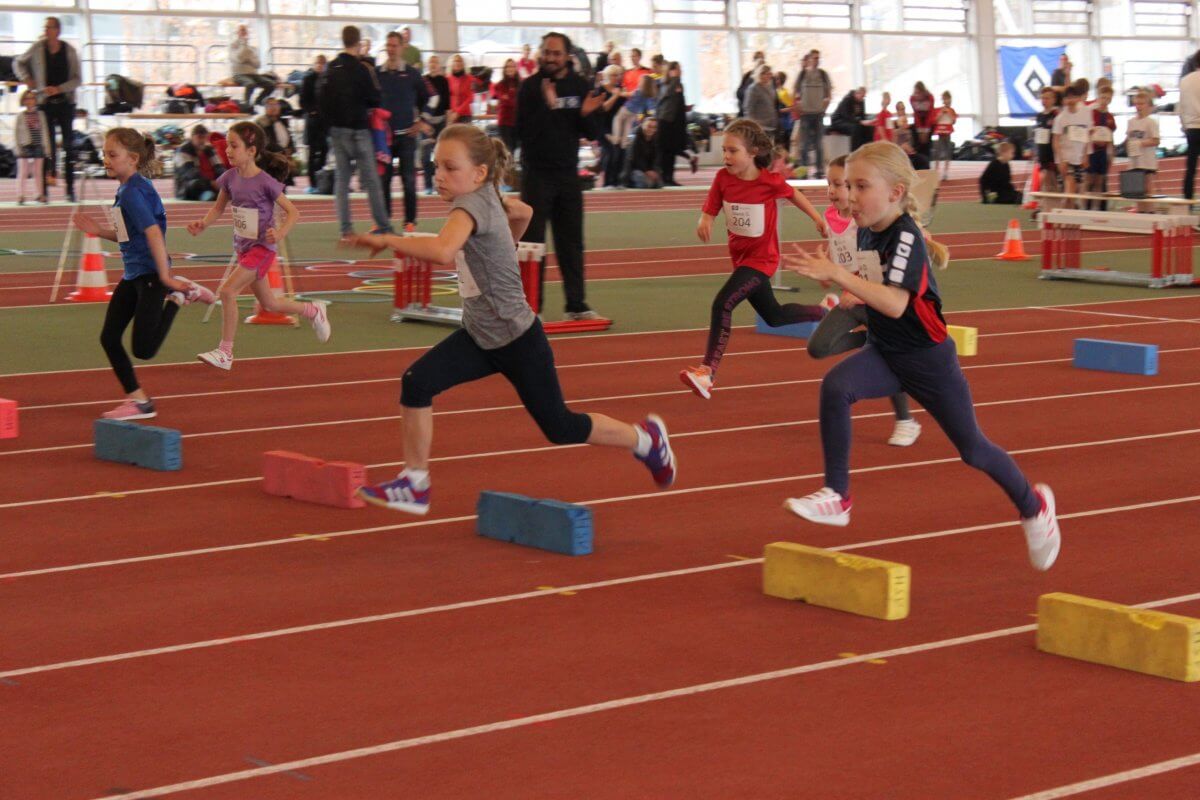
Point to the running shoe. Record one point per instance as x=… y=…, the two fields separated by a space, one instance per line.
x=660 y=460
x=699 y=380
x=398 y=495
x=829 y=302
x=197 y=293
x=825 y=507
x=582 y=316
x=1042 y=535
x=217 y=358
x=132 y=409
x=906 y=433
x=410 y=227
x=320 y=322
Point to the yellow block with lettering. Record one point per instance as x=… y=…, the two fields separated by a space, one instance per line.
x=966 y=340
x=860 y=585
x=1153 y=642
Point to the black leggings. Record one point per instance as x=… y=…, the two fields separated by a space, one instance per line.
x=837 y=334
x=144 y=301
x=747 y=283
x=528 y=364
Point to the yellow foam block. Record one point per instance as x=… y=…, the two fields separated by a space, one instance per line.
x=860 y=585
x=1153 y=642
x=965 y=339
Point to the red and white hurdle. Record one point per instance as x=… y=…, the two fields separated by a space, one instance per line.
x=1171 y=242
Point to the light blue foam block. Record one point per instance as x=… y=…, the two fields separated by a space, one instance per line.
x=140 y=445
x=797 y=330
x=1126 y=357
x=545 y=524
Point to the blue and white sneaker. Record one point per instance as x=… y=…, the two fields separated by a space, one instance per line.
x=660 y=460
x=398 y=495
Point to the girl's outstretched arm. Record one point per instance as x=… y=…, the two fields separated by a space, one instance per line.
x=218 y=208
x=439 y=249
x=888 y=300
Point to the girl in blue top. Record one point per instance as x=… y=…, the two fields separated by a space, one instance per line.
x=907 y=350
x=147 y=294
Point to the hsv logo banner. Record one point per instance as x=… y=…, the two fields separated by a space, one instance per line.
x=1025 y=71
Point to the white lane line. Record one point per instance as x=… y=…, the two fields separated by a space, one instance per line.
x=1124 y=316
x=293 y=539
x=594 y=708
x=579 y=587
x=1115 y=778
x=605 y=399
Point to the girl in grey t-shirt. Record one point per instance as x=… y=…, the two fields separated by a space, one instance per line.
x=500 y=332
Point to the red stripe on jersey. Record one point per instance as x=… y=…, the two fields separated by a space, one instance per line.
x=934 y=327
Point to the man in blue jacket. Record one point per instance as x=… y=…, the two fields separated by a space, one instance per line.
x=403 y=92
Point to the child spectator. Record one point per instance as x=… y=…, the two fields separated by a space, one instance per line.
x=943 y=126
x=995 y=184
x=1142 y=139
x=883 y=121
x=1101 y=157
x=1070 y=135
x=1041 y=139
x=32 y=133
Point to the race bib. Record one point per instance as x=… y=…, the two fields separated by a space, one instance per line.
x=1134 y=146
x=843 y=253
x=117 y=220
x=434 y=102
x=467 y=287
x=245 y=222
x=745 y=219
x=869 y=266
x=1077 y=134
x=1101 y=134
x=1041 y=136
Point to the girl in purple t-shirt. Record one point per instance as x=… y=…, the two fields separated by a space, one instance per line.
x=252 y=187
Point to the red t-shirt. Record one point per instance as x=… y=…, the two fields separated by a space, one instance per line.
x=751 y=216
x=506 y=102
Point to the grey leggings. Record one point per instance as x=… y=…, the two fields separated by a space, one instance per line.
x=836 y=334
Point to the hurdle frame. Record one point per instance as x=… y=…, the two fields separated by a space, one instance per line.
x=1172 y=238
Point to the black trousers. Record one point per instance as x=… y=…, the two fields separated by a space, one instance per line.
x=528 y=364
x=747 y=283
x=62 y=117
x=1193 y=154
x=404 y=148
x=143 y=301
x=316 y=136
x=557 y=199
x=672 y=139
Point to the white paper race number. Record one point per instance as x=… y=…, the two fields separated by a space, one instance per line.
x=1041 y=136
x=117 y=220
x=745 y=219
x=467 y=287
x=245 y=222
x=869 y=265
x=842 y=252
x=1101 y=134
x=1077 y=134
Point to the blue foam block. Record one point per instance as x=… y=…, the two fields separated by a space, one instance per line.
x=1127 y=357
x=545 y=524
x=797 y=330
x=140 y=445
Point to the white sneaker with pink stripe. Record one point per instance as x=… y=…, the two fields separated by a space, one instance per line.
x=825 y=507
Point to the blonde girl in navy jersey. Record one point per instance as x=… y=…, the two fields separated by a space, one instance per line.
x=907 y=349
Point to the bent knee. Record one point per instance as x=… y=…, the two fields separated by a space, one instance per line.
x=415 y=392
x=566 y=428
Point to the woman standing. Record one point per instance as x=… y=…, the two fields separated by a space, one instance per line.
x=672 y=121
x=462 y=90
x=504 y=95
x=612 y=149
x=762 y=102
x=922 y=105
x=433 y=115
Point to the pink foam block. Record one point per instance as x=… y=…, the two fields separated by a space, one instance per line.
x=8 y=419
x=329 y=483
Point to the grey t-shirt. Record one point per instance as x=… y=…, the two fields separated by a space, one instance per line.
x=495 y=311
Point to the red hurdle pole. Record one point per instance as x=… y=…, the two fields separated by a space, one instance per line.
x=427 y=288
x=1047 y=245
x=1156 y=253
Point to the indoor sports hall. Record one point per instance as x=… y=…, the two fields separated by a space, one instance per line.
x=209 y=584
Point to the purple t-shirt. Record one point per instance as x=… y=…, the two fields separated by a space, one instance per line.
x=252 y=202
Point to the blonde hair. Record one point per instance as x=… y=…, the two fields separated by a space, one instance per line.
x=893 y=163
x=483 y=150
x=141 y=146
x=758 y=143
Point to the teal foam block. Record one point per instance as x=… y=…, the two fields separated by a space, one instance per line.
x=545 y=524
x=797 y=330
x=140 y=445
x=1126 y=357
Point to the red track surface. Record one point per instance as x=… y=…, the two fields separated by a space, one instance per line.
x=86 y=575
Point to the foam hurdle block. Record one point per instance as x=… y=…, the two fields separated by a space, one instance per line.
x=797 y=330
x=545 y=524
x=966 y=340
x=8 y=419
x=866 y=586
x=1142 y=640
x=140 y=445
x=301 y=477
x=1126 y=357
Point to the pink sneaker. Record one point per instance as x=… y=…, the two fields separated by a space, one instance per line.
x=197 y=293
x=132 y=409
x=699 y=380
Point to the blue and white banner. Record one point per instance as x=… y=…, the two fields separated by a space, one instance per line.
x=1025 y=71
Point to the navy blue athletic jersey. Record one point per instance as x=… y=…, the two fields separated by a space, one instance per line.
x=905 y=263
x=1045 y=122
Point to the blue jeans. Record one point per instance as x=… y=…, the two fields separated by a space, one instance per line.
x=643 y=181
x=351 y=145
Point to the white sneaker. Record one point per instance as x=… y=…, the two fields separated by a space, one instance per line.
x=320 y=323
x=582 y=316
x=699 y=380
x=217 y=358
x=829 y=302
x=906 y=433
x=825 y=507
x=1042 y=535
x=197 y=293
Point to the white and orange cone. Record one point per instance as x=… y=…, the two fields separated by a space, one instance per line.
x=91 y=284
x=1014 y=245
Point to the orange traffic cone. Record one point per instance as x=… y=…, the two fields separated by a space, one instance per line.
x=263 y=317
x=91 y=285
x=1014 y=246
x=1034 y=185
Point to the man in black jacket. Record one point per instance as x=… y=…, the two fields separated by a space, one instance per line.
x=554 y=109
x=316 y=134
x=404 y=93
x=346 y=93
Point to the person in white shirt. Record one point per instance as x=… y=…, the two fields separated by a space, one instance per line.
x=1071 y=132
x=1142 y=139
x=1189 y=119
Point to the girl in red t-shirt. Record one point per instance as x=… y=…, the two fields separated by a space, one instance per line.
x=746 y=190
x=883 y=121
